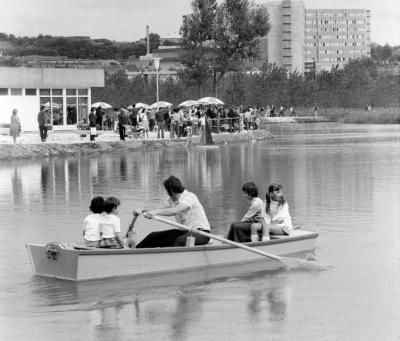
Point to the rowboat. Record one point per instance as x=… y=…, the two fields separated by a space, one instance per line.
x=79 y=263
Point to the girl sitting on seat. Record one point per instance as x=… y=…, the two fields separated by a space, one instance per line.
x=276 y=219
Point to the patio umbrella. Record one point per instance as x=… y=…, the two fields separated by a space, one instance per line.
x=161 y=104
x=141 y=105
x=210 y=100
x=188 y=103
x=54 y=105
x=103 y=105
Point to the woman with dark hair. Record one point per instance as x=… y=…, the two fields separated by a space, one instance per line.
x=187 y=209
x=240 y=231
x=276 y=217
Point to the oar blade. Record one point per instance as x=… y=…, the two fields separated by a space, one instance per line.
x=297 y=263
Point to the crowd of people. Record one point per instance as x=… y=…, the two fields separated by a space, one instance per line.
x=102 y=228
x=180 y=121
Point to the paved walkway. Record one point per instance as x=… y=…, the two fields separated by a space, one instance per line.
x=68 y=137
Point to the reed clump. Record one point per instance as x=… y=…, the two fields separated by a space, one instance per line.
x=374 y=116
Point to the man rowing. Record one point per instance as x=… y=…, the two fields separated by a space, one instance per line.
x=187 y=209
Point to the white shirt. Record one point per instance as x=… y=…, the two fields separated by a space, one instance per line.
x=143 y=116
x=91 y=227
x=194 y=216
x=109 y=224
x=256 y=206
x=277 y=213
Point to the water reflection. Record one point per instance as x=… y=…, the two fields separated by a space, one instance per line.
x=337 y=182
x=109 y=326
x=16 y=186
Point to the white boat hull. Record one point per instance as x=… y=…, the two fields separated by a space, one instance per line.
x=56 y=260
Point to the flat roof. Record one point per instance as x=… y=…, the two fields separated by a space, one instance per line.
x=21 y=77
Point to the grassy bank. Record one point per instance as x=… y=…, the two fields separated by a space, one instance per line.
x=374 y=116
x=35 y=150
x=356 y=116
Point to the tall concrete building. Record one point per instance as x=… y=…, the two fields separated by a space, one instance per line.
x=287 y=35
x=301 y=37
x=334 y=36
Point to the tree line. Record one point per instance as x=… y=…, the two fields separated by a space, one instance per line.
x=356 y=85
x=77 y=47
x=217 y=38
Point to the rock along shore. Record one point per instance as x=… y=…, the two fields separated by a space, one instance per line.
x=68 y=145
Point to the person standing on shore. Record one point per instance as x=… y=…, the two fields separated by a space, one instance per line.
x=42 y=123
x=99 y=118
x=15 y=125
x=92 y=124
x=160 y=114
x=122 y=121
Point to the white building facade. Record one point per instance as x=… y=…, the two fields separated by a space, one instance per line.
x=323 y=37
x=334 y=36
x=65 y=92
x=287 y=34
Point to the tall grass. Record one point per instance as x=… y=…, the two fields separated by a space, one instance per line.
x=356 y=116
x=374 y=116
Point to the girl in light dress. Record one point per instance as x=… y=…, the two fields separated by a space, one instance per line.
x=276 y=219
x=144 y=123
x=15 y=125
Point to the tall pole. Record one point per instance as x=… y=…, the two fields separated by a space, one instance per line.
x=157 y=66
x=157 y=87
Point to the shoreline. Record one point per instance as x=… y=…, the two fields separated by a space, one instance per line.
x=69 y=144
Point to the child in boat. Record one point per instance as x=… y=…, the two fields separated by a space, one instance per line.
x=240 y=231
x=91 y=233
x=275 y=214
x=110 y=225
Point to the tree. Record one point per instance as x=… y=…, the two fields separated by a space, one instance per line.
x=217 y=38
x=238 y=26
x=197 y=32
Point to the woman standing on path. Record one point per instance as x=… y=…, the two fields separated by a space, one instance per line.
x=15 y=125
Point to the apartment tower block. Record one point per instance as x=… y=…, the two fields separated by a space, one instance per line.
x=321 y=37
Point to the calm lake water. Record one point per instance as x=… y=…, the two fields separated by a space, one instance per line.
x=342 y=180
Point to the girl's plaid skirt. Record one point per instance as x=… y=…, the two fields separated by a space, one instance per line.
x=110 y=243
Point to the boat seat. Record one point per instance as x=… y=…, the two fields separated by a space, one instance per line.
x=293 y=233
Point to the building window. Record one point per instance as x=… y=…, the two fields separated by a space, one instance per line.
x=16 y=92
x=44 y=92
x=77 y=106
x=3 y=91
x=30 y=92
x=56 y=92
x=82 y=92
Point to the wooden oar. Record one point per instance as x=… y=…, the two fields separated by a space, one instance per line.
x=291 y=263
x=130 y=232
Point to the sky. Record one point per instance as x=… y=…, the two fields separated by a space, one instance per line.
x=126 y=20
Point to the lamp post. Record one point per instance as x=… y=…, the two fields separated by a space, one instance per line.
x=157 y=66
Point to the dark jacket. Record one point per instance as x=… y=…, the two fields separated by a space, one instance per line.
x=92 y=119
x=160 y=115
x=41 y=118
x=99 y=116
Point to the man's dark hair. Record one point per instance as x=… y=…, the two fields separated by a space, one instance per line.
x=173 y=185
x=110 y=204
x=251 y=189
x=97 y=205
